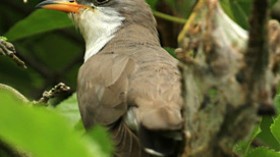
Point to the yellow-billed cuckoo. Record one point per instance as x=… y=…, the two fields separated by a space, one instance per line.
x=128 y=83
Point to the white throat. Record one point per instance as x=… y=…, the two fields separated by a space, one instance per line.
x=98 y=27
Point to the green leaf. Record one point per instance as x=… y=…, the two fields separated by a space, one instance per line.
x=182 y=8
x=275 y=129
x=3 y=38
x=171 y=3
x=243 y=147
x=101 y=136
x=238 y=10
x=171 y=51
x=69 y=109
x=152 y=3
x=41 y=132
x=40 y=21
x=266 y=135
x=240 y=14
x=272 y=2
x=263 y=152
x=277 y=100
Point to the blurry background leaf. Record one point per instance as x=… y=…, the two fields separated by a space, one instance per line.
x=152 y=3
x=265 y=136
x=170 y=51
x=100 y=135
x=182 y=8
x=277 y=99
x=263 y=152
x=275 y=129
x=242 y=148
x=69 y=109
x=40 y=21
x=239 y=10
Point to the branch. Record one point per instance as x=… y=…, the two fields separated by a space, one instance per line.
x=257 y=58
x=16 y=93
x=257 y=54
x=8 y=49
x=169 y=17
x=54 y=92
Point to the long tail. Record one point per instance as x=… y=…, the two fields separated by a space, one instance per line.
x=127 y=144
x=161 y=143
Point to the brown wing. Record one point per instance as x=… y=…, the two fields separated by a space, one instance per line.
x=102 y=91
x=102 y=88
x=155 y=89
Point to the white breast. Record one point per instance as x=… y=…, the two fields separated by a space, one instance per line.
x=97 y=27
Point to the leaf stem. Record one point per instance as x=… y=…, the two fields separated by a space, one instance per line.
x=169 y=17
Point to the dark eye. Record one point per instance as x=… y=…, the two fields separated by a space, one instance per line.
x=99 y=2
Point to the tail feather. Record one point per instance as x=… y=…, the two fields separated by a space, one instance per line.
x=126 y=142
x=161 y=143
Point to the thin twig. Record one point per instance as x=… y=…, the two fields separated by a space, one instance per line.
x=8 y=49
x=54 y=92
x=169 y=17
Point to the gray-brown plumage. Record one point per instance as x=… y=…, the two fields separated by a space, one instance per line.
x=131 y=85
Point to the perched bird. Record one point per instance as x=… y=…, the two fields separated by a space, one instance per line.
x=128 y=82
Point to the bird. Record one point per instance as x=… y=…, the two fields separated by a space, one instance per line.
x=128 y=83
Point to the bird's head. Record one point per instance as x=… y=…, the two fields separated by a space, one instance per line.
x=108 y=11
x=134 y=11
x=99 y=20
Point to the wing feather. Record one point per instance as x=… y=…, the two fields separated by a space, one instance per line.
x=102 y=88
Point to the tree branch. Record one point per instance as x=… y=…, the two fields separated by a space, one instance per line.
x=54 y=92
x=8 y=49
x=257 y=58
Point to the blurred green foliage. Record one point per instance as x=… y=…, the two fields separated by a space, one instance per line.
x=263 y=152
x=53 y=51
x=38 y=22
x=239 y=10
x=270 y=134
x=69 y=109
x=44 y=133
